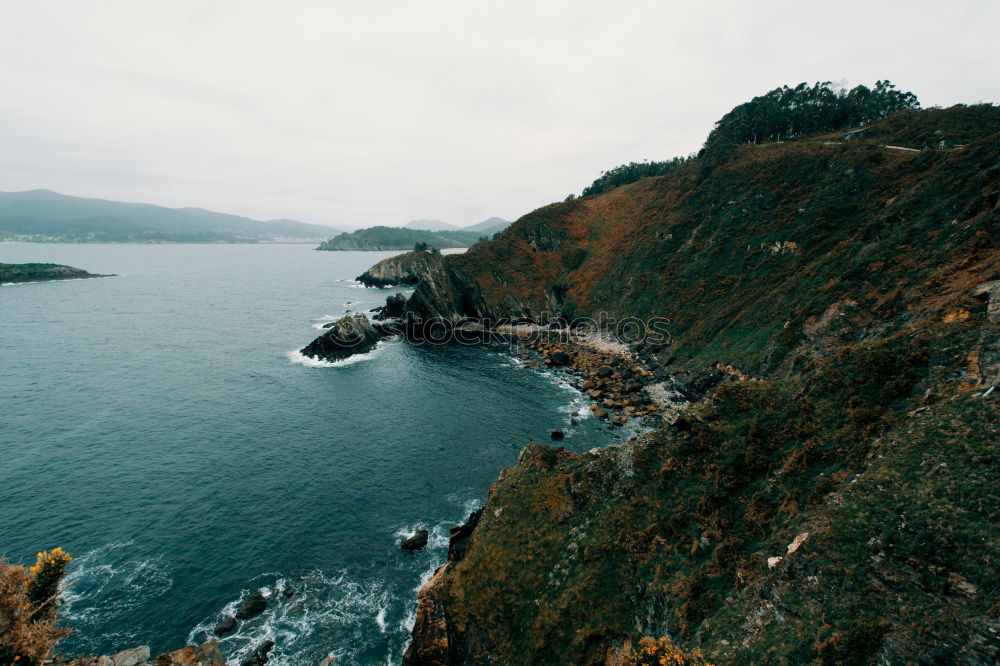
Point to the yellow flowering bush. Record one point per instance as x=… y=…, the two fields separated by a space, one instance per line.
x=28 y=624
x=45 y=575
x=661 y=652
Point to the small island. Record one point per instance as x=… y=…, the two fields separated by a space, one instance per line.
x=10 y=273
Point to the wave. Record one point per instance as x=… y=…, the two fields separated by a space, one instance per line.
x=351 y=615
x=108 y=588
x=324 y=610
x=297 y=357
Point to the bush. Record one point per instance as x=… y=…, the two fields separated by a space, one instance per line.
x=661 y=652
x=28 y=623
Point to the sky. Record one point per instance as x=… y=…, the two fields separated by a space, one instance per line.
x=353 y=114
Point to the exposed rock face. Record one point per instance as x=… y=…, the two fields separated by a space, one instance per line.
x=132 y=657
x=352 y=334
x=395 y=306
x=206 y=654
x=404 y=269
x=437 y=640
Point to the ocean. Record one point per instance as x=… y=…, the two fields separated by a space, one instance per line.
x=160 y=426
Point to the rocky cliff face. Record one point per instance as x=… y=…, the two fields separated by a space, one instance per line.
x=833 y=499
x=405 y=269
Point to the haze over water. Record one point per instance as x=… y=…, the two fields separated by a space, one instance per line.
x=156 y=426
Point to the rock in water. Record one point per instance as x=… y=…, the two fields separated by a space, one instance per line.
x=352 y=334
x=225 y=626
x=259 y=655
x=558 y=434
x=252 y=606
x=415 y=542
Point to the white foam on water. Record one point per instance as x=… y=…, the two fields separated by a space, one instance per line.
x=380 y=619
x=297 y=357
x=109 y=589
x=322 y=604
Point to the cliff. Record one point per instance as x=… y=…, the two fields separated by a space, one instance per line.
x=404 y=269
x=832 y=499
x=41 y=273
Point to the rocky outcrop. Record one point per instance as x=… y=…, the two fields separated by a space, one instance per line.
x=394 y=308
x=352 y=334
x=404 y=269
x=437 y=639
x=206 y=654
x=42 y=272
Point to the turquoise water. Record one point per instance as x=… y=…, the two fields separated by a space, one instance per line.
x=157 y=427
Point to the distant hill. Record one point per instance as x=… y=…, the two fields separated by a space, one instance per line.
x=399 y=238
x=430 y=225
x=44 y=215
x=489 y=226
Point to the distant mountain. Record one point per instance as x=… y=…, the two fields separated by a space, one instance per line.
x=44 y=215
x=489 y=227
x=430 y=225
x=399 y=238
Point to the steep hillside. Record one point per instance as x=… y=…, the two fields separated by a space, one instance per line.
x=832 y=498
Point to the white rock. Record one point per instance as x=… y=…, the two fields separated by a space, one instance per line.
x=773 y=561
x=133 y=657
x=797 y=541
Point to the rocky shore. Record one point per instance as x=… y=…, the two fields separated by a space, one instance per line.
x=206 y=654
x=625 y=382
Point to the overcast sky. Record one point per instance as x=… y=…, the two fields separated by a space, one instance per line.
x=362 y=113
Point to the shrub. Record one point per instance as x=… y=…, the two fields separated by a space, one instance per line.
x=28 y=623
x=661 y=652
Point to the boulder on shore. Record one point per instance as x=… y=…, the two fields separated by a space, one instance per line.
x=416 y=541
x=559 y=358
x=206 y=654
